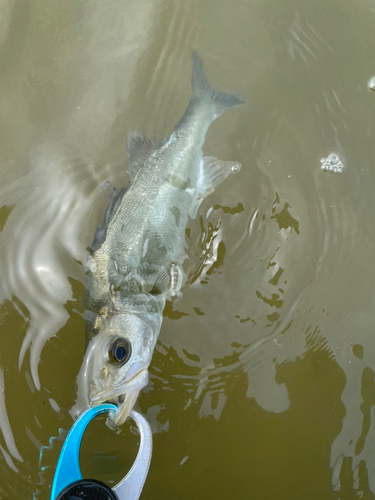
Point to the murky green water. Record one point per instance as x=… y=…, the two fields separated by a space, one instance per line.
x=262 y=383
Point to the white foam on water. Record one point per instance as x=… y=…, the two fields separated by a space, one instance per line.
x=332 y=164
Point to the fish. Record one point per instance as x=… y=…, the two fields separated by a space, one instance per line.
x=135 y=262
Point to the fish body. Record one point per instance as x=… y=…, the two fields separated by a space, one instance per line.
x=135 y=261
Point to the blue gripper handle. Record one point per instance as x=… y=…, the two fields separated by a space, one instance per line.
x=68 y=470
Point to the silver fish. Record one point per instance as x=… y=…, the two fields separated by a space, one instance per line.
x=135 y=262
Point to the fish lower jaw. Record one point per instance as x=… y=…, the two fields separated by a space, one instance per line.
x=125 y=408
x=125 y=396
x=124 y=401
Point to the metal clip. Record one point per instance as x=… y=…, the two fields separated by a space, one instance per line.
x=68 y=470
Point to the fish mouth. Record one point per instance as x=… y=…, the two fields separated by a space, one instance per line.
x=124 y=394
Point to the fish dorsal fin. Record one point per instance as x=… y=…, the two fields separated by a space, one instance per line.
x=114 y=201
x=139 y=146
x=214 y=171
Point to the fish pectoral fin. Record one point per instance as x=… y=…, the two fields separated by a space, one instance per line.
x=139 y=146
x=212 y=172
x=169 y=282
x=162 y=283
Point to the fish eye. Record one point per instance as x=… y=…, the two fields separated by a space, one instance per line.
x=120 y=351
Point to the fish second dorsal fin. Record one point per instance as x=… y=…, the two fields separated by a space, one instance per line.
x=139 y=146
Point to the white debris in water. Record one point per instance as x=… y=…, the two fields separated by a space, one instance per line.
x=209 y=212
x=332 y=164
x=6 y=429
x=184 y=460
x=54 y=405
x=371 y=83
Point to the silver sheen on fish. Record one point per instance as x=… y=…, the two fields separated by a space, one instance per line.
x=135 y=261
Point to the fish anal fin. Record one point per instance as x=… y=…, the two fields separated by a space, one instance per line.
x=213 y=172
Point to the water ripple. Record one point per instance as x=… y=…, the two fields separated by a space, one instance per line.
x=43 y=243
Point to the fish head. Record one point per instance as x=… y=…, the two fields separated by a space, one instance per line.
x=117 y=359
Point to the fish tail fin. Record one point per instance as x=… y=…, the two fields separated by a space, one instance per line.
x=203 y=90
